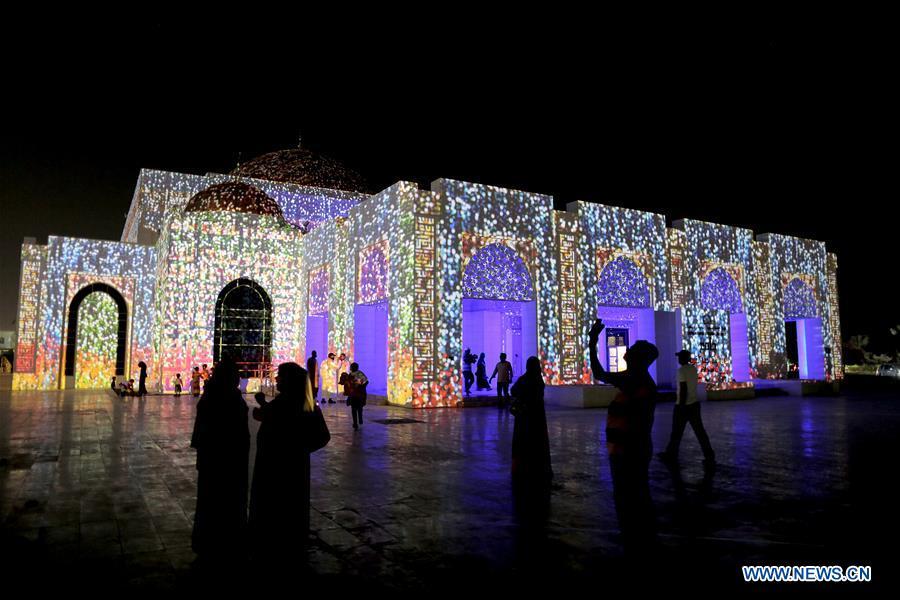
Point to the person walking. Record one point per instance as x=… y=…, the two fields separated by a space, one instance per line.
x=142 y=379
x=358 y=383
x=222 y=439
x=504 y=373
x=687 y=410
x=629 y=424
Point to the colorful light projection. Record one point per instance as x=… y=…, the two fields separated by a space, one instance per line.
x=571 y=367
x=767 y=365
x=33 y=257
x=725 y=254
x=497 y=272
x=160 y=194
x=69 y=261
x=372 y=284
x=834 y=319
x=791 y=258
x=799 y=300
x=608 y=233
x=95 y=359
x=720 y=291
x=318 y=291
x=205 y=251
x=623 y=283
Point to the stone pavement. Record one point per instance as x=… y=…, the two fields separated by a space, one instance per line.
x=98 y=492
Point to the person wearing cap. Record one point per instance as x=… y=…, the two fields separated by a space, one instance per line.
x=629 y=423
x=687 y=410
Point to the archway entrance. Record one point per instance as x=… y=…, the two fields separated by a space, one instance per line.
x=317 y=314
x=499 y=311
x=804 y=346
x=624 y=303
x=719 y=291
x=243 y=327
x=96 y=336
x=370 y=317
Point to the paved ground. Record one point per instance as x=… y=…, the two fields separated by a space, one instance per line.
x=99 y=492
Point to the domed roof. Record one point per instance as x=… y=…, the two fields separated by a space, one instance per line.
x=233 y=196
x=302 y=167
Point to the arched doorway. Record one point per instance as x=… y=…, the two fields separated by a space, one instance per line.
x=626 y=307
x=243 y=326
x=804 y=346
x=317 y=313
x=499 y=311
x=719 y=291
x=96 y=336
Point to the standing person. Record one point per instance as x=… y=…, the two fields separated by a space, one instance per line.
x=196 y=376
x=687 y=410
x=504 y=373
x=629 y=423
x=142 y=379
x=343 y=365
x=358 y=384
x=468 y=360
x=531 y=442
x=222 y=439
x=329 y=378
x=112 y=384
x=176 y=383
x=312 y=372
x=481 y=374
x=204 y=375
x=279 y=496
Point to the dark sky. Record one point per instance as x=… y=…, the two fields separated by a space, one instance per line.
x=779 y=128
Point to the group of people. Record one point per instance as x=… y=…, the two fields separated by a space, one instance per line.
x=126 y=388
x=274 y=525
x=503 y=371
x=337 y=375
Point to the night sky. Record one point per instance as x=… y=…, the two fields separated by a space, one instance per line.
x=785 y=130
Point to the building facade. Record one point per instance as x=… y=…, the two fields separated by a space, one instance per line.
x=284 y=256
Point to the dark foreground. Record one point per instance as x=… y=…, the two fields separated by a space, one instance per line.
x=97 y=493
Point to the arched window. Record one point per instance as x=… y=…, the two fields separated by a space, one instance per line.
x=243 y=328
x=497 y=272
x=622 y=283
x=121 y=326
x=721 y=292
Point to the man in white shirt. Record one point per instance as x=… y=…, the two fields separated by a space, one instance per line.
x=687 y=410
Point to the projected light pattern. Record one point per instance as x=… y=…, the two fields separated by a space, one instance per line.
x=622 y=283
x=372 y=284
x=720 y=292
x=205 y=251
x=806 y=260
x=95 y=360
x=421 y=252
x=496 y=272
x=70 y=261
x=799 y=300
x=318 y=291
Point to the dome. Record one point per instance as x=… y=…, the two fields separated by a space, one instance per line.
x=302 y=167
x=233 y=196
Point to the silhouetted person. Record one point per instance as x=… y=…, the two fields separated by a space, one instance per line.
x=176 y=384
x=481 y=374
x=112 y=384
x=279 y=496
x=142 y=379
x=312 y=371
x=468 y=360
x=629 y=423
x=504 y=374
x=531 y=443
x=222 y=439
x=358 y=384
x=687 y=410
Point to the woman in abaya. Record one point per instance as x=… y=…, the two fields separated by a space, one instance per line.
x=531 y=443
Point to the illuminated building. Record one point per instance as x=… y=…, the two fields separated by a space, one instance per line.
x=277 y=259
